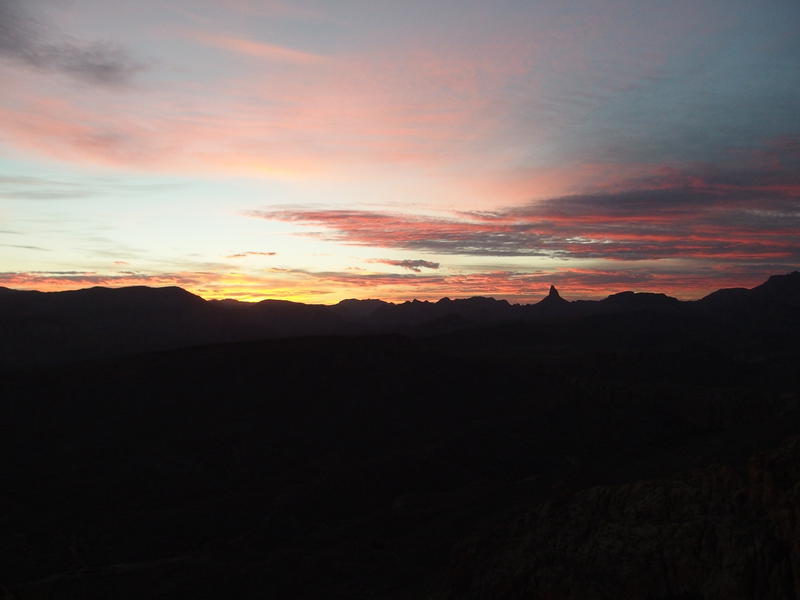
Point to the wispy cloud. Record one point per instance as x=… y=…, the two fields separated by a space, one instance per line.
x=25 y=247
x=391 y=104
x=49 y=188
x=60 y=280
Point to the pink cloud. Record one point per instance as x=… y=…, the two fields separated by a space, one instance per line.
x=702 y=213
x=257 y=49
x=416 y=106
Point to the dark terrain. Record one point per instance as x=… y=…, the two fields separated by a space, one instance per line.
x=156 y=445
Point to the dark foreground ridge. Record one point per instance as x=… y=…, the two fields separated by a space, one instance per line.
x=636 y=447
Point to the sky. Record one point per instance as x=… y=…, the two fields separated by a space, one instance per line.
x=321 y=150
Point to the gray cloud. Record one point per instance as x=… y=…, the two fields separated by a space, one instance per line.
x=412 y=265
x=22 y=278
x=46 y=188
x=24 y=247
x=26 y=40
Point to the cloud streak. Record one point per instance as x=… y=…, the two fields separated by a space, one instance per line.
x=412 y=265
x=250 y=253
x=64 y=280
x=256 y=49
x=711 y=215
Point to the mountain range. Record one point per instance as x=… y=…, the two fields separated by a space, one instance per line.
x=51 y=327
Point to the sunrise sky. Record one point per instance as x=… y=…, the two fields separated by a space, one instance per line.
x=320 y=150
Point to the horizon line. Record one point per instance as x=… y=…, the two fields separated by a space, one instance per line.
x=394 y=302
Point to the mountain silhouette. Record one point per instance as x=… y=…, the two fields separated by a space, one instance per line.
x=44 y=328
x=161 y=445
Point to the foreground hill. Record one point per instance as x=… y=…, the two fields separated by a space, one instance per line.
x=610 y=453
x=56 y=327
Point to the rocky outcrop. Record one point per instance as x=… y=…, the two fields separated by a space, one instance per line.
x=552 y=304
x=552 y=298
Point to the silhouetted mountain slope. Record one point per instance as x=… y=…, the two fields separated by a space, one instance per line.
x=40 y=328
x=785 y=287
x=639 y=301
x=779 y=291
x=357 y=310
x=773 y=306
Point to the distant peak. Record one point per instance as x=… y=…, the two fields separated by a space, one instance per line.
x=553 y=298
x=780 y=285
x=787 y=278
x=356 y=301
